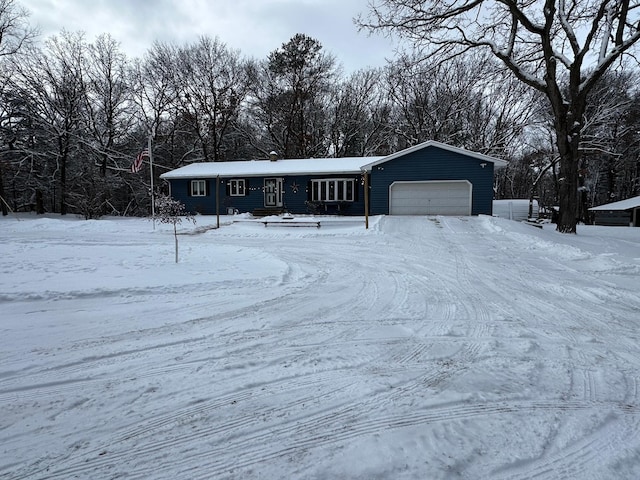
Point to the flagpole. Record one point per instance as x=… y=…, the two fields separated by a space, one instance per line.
x=153 y=197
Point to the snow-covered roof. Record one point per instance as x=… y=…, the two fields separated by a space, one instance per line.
x=259 y=168
x=307 y=166
x=627 y=204
x=432 y=143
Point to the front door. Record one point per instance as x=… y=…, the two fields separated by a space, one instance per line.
x=273 y=192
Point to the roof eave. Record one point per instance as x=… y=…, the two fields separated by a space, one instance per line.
x=432 y=143
x=628 y=204
x=168 y=176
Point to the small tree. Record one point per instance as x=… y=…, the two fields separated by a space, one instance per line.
x=172 y=211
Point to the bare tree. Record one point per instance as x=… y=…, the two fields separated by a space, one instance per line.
x=466 y=102
x=611 y=139
x=53 y=82
x=212 y=85
x=356 y=113
x=558 y=47
x=155 y=93
x=107 y=118
x=109 y=114
x=15 y=33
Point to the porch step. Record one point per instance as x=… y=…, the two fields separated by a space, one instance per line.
x=265 y=212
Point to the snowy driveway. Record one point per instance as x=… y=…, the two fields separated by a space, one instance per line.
x=425 y=347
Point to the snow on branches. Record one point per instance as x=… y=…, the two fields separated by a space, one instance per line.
x=170 y=211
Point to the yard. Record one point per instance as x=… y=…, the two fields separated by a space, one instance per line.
x=424 y=347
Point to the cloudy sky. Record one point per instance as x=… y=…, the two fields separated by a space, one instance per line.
x=255 y=27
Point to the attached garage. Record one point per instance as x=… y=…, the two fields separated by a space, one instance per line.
x=440 y=197
x=431 y=178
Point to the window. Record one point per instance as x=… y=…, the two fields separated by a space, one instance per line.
x=198 y=188
x=333 y=190
x=237 y=188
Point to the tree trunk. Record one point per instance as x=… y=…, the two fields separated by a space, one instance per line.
x=568 y=191
x=568 y=125
x=3 y=205
x=175 y=234
x=63 y=187
x=39 y=202
x=63 y=146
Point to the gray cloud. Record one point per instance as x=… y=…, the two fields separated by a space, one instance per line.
x=255 y=27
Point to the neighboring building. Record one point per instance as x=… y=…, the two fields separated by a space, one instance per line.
x=623 y=213
x=429 y=179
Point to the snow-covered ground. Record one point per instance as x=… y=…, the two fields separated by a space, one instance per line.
x=422 y=348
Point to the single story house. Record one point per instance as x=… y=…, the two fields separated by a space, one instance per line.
x=623 y=213
x=431 y=178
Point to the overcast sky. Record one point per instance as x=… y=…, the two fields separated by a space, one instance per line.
x=255 y=27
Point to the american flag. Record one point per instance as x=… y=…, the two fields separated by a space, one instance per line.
x=136 y=166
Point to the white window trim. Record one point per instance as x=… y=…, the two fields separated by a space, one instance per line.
x=317 y=194
x=198 y=188
x=237 y=187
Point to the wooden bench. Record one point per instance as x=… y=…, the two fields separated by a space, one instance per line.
x=292 y=223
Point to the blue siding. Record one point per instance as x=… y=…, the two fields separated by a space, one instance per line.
x=296 y=194
x=432 y=163
x=205 y=205
x=425 y=164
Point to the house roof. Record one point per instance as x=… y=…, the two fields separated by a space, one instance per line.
x=260 y=168
x=307 y=166
x=432 y=143
x=627 y=204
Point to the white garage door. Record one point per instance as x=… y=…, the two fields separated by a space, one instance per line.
x=451 y=197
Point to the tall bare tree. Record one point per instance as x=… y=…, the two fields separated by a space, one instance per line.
x=15 y=33
x=358 y=115
x=155 y=96
x=212 y=83
x=53 y=80
x=611 y=139
x=558 y=47
x=466 y=102
x=154 y=87
x=108 y=116
x=106 y=121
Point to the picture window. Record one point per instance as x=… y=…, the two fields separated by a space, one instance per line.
x=333 y=190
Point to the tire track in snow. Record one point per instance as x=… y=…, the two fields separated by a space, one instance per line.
x=429 y=379
x=215 y=438
x=466 y=275
x=68 y=377
x=192 y=415
x=436 y=376
x=239 y=399
x=371 y=404
x=338 y=426
x=415 y=354
x=580 y=458
x=196 y=412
